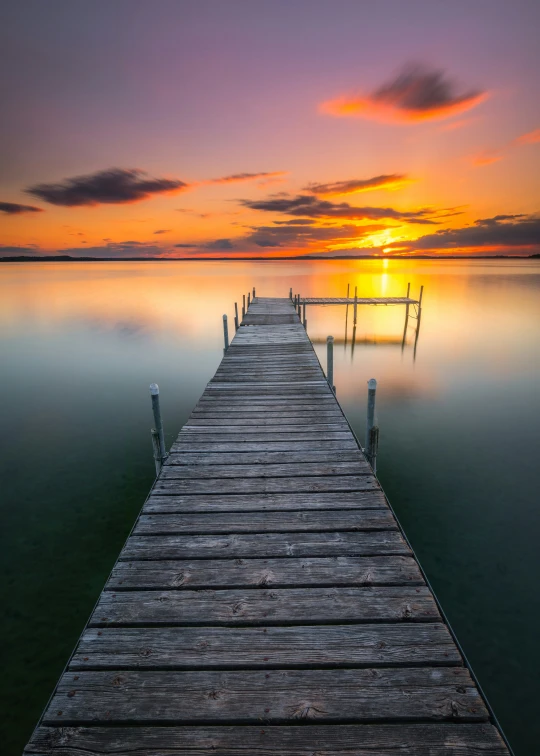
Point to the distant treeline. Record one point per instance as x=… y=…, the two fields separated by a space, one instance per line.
x=69 y=258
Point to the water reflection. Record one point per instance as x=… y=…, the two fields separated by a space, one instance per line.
x=458 y=410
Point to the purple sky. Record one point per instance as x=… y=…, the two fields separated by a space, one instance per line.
x=190 y=92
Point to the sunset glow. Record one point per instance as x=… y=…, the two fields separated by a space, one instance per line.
x=215 y=142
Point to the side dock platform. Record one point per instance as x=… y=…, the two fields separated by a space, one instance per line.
x=266 y=601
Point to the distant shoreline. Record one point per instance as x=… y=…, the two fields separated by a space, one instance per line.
x=311 y=258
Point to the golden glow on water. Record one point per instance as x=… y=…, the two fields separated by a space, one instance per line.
x=188 y=298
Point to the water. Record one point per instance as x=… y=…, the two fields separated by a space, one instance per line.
x=459 y=444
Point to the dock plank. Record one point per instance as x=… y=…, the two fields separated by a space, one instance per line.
x=277 y=573
x=343 y=695
x=268 y=470
x=435 y=739
x=266 y=606
x=219 y=502
x=299 y=647
x=265 y=522
x=240 y=545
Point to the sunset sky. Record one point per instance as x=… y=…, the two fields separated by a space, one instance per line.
x=230 y=128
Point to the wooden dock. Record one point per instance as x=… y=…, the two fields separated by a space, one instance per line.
x=359 y=301
x=266 y=601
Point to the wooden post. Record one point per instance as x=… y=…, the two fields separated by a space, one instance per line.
x=249 y=299
x=330 y=362
x=155 y=447
x=253 y=292
x=304 y=318
x=370 y=422
x=419 y=314
x=225 y=333
x=355 y=306
x=158 y=436
x=290 y=293
x=418 y=319
x=236 y=316
x=347 y=316
x=374 y=443
x=243 y=306
x=406 y=318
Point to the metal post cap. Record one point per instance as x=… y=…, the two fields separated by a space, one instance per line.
x=154 y=389
x=372 y=383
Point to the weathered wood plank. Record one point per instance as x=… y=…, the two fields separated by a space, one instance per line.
x=211 y=458
x=300 y=647
x=334 y=421
x=342 y=695
x=265 y=522
x=277 y=573
x=266 y=606
x=267 y=485
x=269 y=470
x=262 y=411
x=254 y=435
x=276 y=442
x=262 y=430
x=217 y=502
x=239 y=546
x=435 y=739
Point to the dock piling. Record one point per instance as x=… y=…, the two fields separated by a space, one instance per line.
x=330 y=362
x=372 y=390
x=253 y=292
x=355 y=305
x=290 y=293
x=236 y=316
x=225 y=333
x=155 y=447
x=243 y=306
x=374 y=446
x=158 y=435
x=304 y=316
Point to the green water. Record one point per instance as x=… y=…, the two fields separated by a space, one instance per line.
x=459 y=447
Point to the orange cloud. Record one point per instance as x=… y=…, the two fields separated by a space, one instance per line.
x=355 y=186
x=416 y=94
x=485 y=158
x=235 y=178
x=532 y=137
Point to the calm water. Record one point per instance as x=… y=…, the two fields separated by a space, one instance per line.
x=459 y=447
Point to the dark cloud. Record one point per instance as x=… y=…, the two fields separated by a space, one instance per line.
x=417 y=93
x=501 y=232
x=128 y=248
x=219 y=244
x=110 y=187
x=389 y=181
x=297 y=222
x=28 y=249
x=186 y=246
x=163 y=231
x=294 y=235
x=311 y=207
x=13 y=208
x=234 y=178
